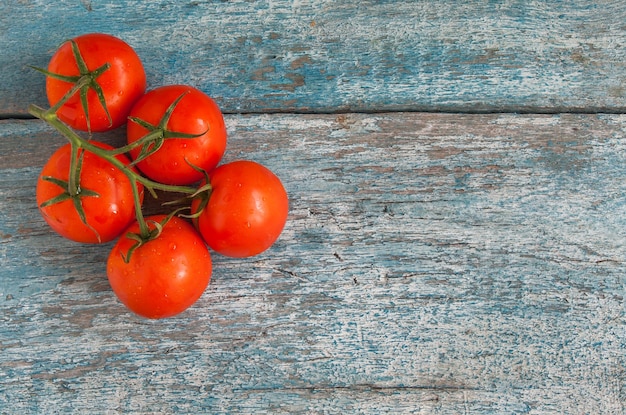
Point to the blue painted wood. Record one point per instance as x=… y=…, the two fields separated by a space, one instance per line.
x=432 y=263
x=327 y=56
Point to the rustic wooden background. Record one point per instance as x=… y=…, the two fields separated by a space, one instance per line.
x=457 y=232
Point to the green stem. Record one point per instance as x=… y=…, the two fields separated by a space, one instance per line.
x=77 y=142
x=151 y=136
x=73 y=182
x=108 y=155
x=144 y=231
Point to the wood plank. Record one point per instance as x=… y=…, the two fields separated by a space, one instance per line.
x=360 y=56
x=432 y=263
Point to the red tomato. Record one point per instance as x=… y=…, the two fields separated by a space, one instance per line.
x=246 y=212
x=195 y=113
x=164 y=276
x=107 y=214
x=122 y=84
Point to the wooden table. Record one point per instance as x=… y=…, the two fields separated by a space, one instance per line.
x=457 y=231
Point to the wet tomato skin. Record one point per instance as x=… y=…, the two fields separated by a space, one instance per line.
x=163 y=277
x=246 y=212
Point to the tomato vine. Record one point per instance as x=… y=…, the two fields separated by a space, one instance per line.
x=77 y=142
x=91 y=192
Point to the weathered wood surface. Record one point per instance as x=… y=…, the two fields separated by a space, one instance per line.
x=328 y=56
x=432 y=263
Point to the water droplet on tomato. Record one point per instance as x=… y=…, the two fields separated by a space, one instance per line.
x=173 y=246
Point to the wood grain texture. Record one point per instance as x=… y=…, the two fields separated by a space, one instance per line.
x=432 y=263
x=329 y=56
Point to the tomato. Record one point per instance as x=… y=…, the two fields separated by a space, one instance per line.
x=195 y=113
x=107 y=213
x=165 y=275
x=246 y=212
x=122 y=84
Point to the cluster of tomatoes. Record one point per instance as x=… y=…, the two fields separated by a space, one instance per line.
x=91 y=192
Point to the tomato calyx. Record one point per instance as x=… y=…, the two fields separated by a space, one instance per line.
x=157 y=134
x=75 y=197
x=149 y=230
x=72 y=189
x=63 y=184
x=83 y=82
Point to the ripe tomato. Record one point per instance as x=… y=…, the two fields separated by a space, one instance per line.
x=164 y=276
x=122 y=84
x=195 y=113
x=107 y=214
x=246 y=212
